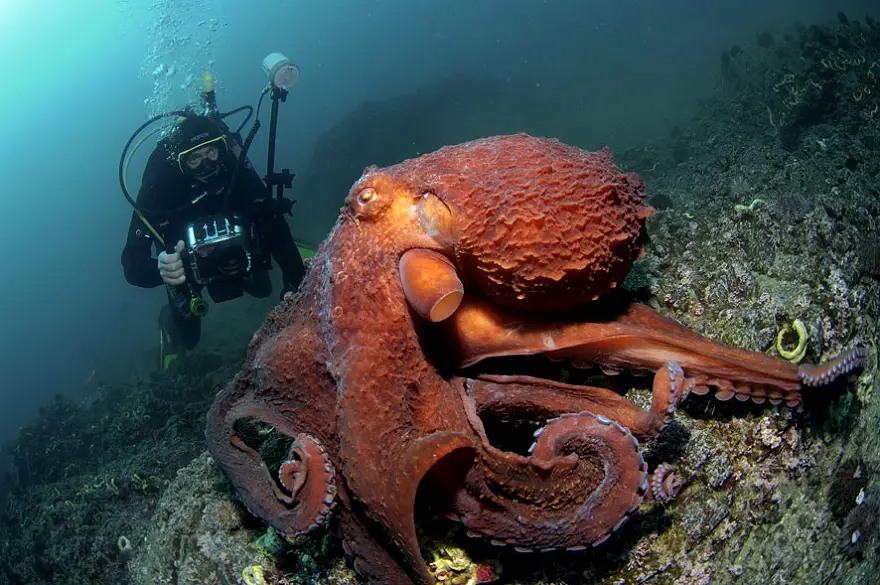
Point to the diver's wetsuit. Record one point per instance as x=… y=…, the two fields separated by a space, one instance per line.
x=165 y=189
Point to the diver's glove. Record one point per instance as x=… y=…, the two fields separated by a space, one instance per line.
x=171 y=266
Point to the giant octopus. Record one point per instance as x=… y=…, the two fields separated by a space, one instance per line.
x=504 y=246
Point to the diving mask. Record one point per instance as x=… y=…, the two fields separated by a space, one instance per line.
x=203 y=160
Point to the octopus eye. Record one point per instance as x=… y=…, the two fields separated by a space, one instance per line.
x=366 y=195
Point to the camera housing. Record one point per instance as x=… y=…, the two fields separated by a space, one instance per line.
x=218 y=248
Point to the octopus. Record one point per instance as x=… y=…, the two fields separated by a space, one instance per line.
x=504 y=246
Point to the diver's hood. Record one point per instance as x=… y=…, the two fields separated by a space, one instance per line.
x=191 y=134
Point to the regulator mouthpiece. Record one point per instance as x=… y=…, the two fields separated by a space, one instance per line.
x=281 y=71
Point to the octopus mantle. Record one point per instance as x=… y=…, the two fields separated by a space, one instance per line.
x=506 y=246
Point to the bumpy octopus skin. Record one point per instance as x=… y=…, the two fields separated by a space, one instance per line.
x=497 y=247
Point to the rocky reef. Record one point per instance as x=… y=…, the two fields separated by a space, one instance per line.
x=81 y=483
x=769 y=216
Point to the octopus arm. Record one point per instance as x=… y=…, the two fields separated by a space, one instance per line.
x=637 y=338
x=583 y=479
x=307 y=476
x=525 y=398
x=584 y=475
x=387 y=498
x=364 y=546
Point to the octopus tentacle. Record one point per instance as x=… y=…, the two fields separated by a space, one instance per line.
x=810 y=375
x=632 y=337
x=311 y=480
x=671 y=387
x=528 y=398
x=584 y=478
x=842 y=365
x=536 y=400
x=637 y=338
x=293 y=514
x=664 y=484
x=301 y=496
x=725 y=390
x=371 y=561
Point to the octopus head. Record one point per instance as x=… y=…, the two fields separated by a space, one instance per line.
x=530 y=223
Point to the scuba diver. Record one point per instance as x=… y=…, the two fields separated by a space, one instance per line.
x=204 y=219
x=194 y=165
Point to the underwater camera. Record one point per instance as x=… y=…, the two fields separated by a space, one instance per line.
x=218 y=248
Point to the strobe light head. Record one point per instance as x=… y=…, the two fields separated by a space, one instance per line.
x=281 y=71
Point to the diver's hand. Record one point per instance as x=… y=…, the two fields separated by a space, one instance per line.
x=171 y=266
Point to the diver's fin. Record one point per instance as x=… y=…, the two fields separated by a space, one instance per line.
x=166 y=353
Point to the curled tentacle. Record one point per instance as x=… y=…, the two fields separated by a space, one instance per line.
x=294 y=501
x=842 y=365
x=584 y=478
x=671 y=387
x=307 y=475
x=665 y=484
x=311 y=480
x=624 y=482
x=247 y=471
